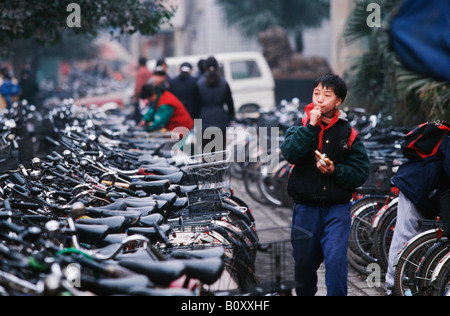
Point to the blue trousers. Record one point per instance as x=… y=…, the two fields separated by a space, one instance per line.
x=330 y=228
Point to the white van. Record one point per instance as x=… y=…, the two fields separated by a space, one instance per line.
x=248 y=74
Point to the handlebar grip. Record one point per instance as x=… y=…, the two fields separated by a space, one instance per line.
x=19 y=178
x=7 y=205
x=12 y=227
x=51 y=158
x=52 y=141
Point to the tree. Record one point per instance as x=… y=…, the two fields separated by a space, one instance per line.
x=46 y=20
x=379 y=81
x=255 y=16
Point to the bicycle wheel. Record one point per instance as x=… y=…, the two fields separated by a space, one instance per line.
x=251 y=176
x=427 y=266
x=408 y=261
x=267 y=185
x=361 y=250
x=383 y=237
x=238 y=258
x=442 y=279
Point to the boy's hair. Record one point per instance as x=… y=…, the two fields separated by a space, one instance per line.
x=332 y=81
x=147 y=91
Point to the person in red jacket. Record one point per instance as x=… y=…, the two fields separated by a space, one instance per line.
x=142 y=77
x=164 y=110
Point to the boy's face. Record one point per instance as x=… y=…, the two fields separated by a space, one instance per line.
x=325 y=99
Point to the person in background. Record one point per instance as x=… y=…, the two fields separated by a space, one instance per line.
x=162 y=69
x=420 y=182
x=165 y=111
x=216 y=107
x=201 y=69
x=142 y=77
x=184 y=87
x=160 y=79
x=9 y=89
x=28 y=87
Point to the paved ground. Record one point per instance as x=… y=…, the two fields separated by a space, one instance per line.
x=273 y=224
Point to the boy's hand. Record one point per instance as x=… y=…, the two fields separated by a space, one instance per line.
x=325 y=169
x=314 y=116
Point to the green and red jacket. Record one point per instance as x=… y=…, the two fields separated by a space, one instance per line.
x=307 y=185
x=168 y=112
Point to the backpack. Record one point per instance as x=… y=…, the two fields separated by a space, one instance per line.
x=423 y=141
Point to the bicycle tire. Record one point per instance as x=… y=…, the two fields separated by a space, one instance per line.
x=268 y=188
x=427 y=265
x=238 y=261
x=441 y=283
x=361 y=250
x=408 y=257
x=383 y=237
x=251 y=176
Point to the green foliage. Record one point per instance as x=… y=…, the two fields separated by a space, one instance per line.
x=379 y=82
x=46 y=20
x=253 y=16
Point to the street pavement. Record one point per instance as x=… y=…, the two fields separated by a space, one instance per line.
x=273 y=224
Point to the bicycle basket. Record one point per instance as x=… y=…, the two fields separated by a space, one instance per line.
x=208 y=171
x=274 y=263
x=204 y=201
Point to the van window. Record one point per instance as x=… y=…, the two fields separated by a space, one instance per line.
x=244 y=70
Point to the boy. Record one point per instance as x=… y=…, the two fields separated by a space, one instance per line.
x=321 y=191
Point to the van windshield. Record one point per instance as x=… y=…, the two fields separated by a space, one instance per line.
x=245 y=70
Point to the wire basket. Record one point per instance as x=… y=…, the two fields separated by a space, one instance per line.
x=208 y=171
x=204 y=201
x=274 y=263
x=379 y=181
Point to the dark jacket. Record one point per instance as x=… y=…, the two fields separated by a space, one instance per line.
x=307 y=185
x=423 y=180
x=185 y=89
x=212 y=101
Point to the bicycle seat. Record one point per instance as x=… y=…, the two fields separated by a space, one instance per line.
x=91 y=233
x=159 y=272
x=175 y=178
x=131 y=216
x=214 y=252
x=179 y=292
x=151 y=220
x=140 y=202
x=169 y=197
x=150 y=232
x=116 y=224
x=112 y=286
x=153 y=187
x=207 y=271
x=183 y=189
x=158 y=170
x=111 y=239
x=116 y=206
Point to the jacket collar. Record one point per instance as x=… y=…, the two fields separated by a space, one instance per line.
x=338 y=114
